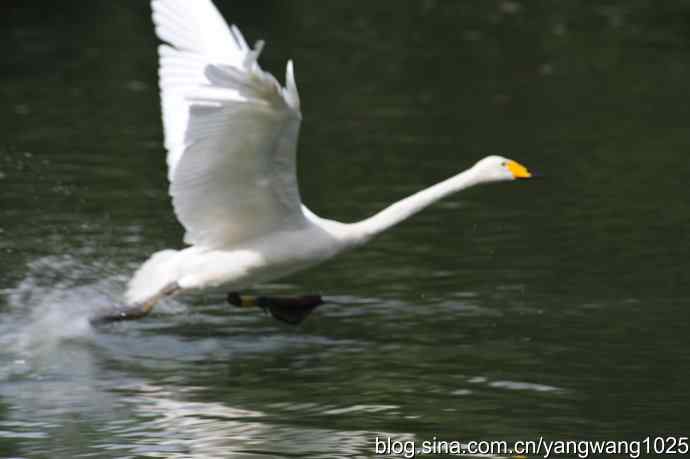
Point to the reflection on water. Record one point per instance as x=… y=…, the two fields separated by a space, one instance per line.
x=554 y=308
x=178 y=428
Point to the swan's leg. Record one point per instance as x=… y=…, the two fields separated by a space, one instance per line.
x=136 y=310
x=292 y=310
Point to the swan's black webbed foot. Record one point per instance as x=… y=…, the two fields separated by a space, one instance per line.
x=291 y=310
x=137 y=310
x=120 y=314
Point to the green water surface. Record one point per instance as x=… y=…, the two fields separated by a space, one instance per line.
x=556 y=307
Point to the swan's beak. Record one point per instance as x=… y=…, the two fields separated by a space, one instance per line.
x=518 y=170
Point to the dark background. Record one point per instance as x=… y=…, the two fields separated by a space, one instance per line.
x=556 y=307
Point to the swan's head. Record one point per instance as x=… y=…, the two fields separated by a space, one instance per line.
x=499 y=169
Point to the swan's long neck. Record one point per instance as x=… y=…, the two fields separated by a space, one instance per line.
x=405 y=208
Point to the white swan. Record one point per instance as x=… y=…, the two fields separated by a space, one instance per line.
x=231 y=135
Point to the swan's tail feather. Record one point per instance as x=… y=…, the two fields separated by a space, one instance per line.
x=153 y=276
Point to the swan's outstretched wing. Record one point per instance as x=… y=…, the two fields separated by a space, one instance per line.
x=230 y=129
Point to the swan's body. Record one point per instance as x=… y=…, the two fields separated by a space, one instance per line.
x=231 y=134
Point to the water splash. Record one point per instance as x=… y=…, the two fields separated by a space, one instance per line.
x=50 y=307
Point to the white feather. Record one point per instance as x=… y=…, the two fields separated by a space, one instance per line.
x=152 y=276
x=230 y=129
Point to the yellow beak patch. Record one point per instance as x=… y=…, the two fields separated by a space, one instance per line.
x=518 y=170
x=248 y=301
